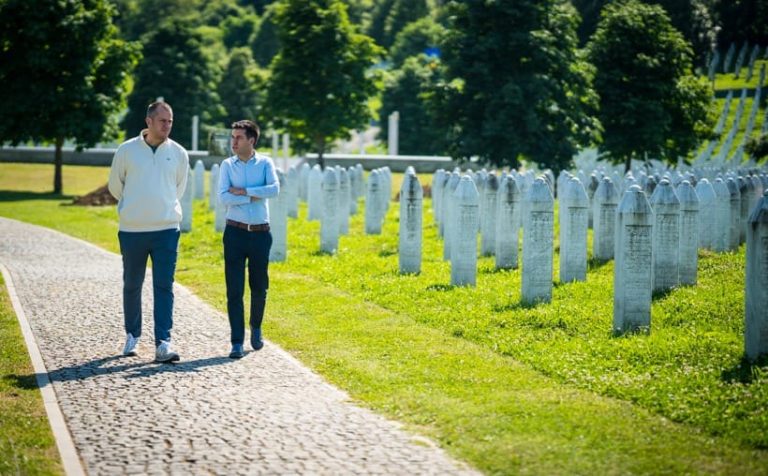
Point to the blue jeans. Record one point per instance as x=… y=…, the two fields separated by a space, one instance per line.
x=241 y=245
x=136 y=247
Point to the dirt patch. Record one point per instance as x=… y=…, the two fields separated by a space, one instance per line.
x=97 y=198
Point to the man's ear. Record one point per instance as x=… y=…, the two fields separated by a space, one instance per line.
x=146 y=120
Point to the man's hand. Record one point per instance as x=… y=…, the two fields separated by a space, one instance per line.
x=237 y=191
x=255 y=199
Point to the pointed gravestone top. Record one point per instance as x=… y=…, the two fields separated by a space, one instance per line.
x=664 y=194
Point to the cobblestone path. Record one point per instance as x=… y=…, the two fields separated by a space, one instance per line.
x=264 y=414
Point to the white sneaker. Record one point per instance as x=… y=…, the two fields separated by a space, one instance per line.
x=130 y=344
x=165 y=353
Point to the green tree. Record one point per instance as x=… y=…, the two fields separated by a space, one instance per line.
x=695 y=19
x=391 y=16
x=650 y=105
x=63 y=73
x=416 y=38
x=265 y=43
x=516 y=83
x=238 y=30
x=175 y=68
x=140 y=18
x=408 y=90
x=242 y=88
x=321 y=78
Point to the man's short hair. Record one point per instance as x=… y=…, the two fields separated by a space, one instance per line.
x=251 y=129
x=152 y=108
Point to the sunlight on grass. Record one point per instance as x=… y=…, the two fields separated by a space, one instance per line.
x=506 y=387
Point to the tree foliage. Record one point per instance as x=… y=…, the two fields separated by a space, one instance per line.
x=389 y=17
x=321 y=79
x=650 y=105
x=63 y=73
x=695 y=19
x=516 y=83
x=416 y=38
x=408 y=90
x=175 y=68
x=265 y=43
x=242 y=88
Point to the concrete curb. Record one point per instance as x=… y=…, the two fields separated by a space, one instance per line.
x=69 y=458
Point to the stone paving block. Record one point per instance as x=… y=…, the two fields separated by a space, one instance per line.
x=264 y=414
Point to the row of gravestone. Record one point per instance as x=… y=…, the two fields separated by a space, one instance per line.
x=714 y=61
x=654 y=242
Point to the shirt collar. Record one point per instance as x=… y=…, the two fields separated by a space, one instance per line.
x=252 y=159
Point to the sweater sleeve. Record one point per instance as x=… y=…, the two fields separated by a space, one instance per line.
x=117 y=174
x=182 y=173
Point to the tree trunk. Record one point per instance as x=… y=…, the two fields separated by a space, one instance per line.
x=57 y=162
x=627 y=164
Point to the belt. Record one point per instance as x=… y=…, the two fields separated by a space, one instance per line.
x=245 y=226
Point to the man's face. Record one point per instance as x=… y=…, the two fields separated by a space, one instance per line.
x=241 y=144
x=160 y=124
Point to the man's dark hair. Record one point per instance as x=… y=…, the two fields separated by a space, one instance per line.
x=152 y=108
x=251 y=129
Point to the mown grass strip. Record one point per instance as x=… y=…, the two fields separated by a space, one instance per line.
x=26 y=441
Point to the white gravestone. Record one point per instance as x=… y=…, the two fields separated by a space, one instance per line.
x=632 y=267
x=734 y=230
x=745 y=195
x=449 y=213
x=604 y=204
x=489 y=211
x=353 y=178
x=508 y=224
x=372 y=205
x=186 y=203
x=574 y=222
x=464 y=251
x=444 y=199
x=538 y=242
x=591 y=188
x=436 y=193
x=278 y=221
x=666 y=237
x=213 y=187
x=479 y=178
x=344 y=198
x=303 y=181
x=689 y=233
x=722 y=214
x=315 y=193
x=292 y=192
x=385 y=189
x=220 y=216
x=199 y=173
x=329 y=223
x=411 y=198
x=707 y=221
x=755 y=294
x=360 y=192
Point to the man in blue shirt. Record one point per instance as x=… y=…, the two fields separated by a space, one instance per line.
x=246 y=181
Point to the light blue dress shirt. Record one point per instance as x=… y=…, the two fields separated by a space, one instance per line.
x=258 y=178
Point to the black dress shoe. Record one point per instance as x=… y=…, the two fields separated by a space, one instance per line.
x=237 y=352
x=256 y=341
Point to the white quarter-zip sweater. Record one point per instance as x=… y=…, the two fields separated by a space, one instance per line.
x=148 y=185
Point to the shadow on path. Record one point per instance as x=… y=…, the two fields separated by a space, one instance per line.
x=132 y=367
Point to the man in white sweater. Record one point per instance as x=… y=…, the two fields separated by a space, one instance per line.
x=148 y=177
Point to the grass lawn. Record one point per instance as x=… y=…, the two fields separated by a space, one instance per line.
x=506 y=387
x=26 y=442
